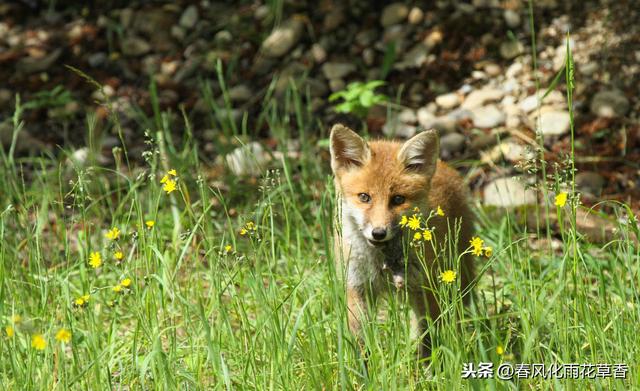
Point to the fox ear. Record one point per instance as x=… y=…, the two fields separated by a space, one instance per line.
x=347 y=148
x=420 y=153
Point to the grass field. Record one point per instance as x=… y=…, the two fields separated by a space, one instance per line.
x=226 y=283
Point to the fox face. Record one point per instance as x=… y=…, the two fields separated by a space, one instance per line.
x=381 y=180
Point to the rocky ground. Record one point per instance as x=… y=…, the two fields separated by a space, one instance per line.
x=466 y=68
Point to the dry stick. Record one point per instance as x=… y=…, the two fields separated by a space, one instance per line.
x=164 y=162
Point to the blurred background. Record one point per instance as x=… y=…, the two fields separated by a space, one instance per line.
x=263 y=78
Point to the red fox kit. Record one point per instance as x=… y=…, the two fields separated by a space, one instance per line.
x=379 y=182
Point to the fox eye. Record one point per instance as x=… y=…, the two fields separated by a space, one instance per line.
x=397 y=200
x=364 y=197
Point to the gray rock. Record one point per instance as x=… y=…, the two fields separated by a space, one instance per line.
x=393 y=14
x=134 y=46
x=240 y=93
x=223 y=38
x=590 y=182
x=511 y=49
x=250 y=159
x=610 y=104
x=337 y=70
x=189 y=17
x=448 y=101
x=282 y=39
x=487 y=116
x=554 y=123
x=318 y=53
x=408 y=116
x=426 y=119
x=529 y=103
x=451 y=143
x=29 y=65
x=478 y=98
x=336 y=85
x=414 y=57
x=508 y=192
x=444 y=125
x=493 y=69
x=368 y=56
x=512 y=18
x=97 y=59
x=398 y=129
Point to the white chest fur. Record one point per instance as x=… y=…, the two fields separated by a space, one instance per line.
x=363 y=261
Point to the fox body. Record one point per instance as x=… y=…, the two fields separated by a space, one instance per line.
x=378 y=182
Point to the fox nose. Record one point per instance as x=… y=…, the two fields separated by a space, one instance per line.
x=379 y=233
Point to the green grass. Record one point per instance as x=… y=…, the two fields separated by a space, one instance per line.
x=270 y=312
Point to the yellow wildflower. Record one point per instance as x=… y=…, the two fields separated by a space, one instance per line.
x=164 y=179
x=488 y=252
x=228 y=248
x=427 y=235
x=403 y=221
x=477 y=244
x=118 y=255
x=169 y=186
x=561 y=199
x=38 y=342
x=126 y=282
x=150 y=223
x=117 y=288
x=439 y=211
x=417 y=236
x=243 y=231
x=448 y=276
x=95 y=260
x=172 y=172
x=81 y=301
x=113 y=233
x=63 y=335
x=499 y=350
x=414 y=222
x=10 y=331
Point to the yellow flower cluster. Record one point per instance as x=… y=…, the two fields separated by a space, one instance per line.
x=38 y=340
x=169 y=181
x=249 y=228
x=81 y=301
x=478 y=247
x=123 y=286
x=414 y=223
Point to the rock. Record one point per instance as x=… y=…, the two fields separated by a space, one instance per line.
x=368 y=56
x=589 y=68
x=493 y=69
x=444 y=125
x=426 y=119
x=401 y=125
x=511 y=49
x=97 y=59
x=282 y=39
x=134 y=46
x=529 y=104
x=333 y=19
x=414 y=58
x=178 y=33
x=590 y=182
x=487 y=116
x=512 y=18
x=189 y=17
x=509 y=150
x=261 y=12
x=478 y=98
x=554 y=123
x=29 y=65
x=508 y=192
x=250 y=159
x=240 y=93
x=393 y=14
x=415 y=15
x=451 y=143
x=610 y=104
x=337 y=70
x=318 y=53
x=514 y=70
x=448 y=101
x=336 y=85
x=223 y=38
